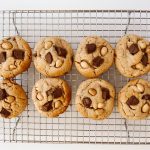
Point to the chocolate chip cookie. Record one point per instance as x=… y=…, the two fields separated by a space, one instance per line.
x=51 y=96
x=134 y=99
x=13 y=99
x=132 y=56
x=15 y=56
x=95 y=99
x=53 y=56
x=94 y=56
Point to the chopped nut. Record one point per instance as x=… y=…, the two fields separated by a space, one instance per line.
x=139 y=66
x=145 y=108
x=39 y=96
x=7 y=45
x=84 y=64
x=142 y=44
x=12 y=67
x=92 y=92
x=104 y=51
x=57 y=104
x=59 y=63
x=48 y=45
x=135 y=88
x=50 y=98
x=10 y=99
x=140 y=87
x=100 y=105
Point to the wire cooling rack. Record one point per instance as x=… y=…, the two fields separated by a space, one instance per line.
x=70 y=127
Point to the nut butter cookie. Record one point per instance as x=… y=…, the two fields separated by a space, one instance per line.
x=51 y=96
x=94 y=56
x=15 y=56
x=13 y=99
x=53 y=56
x=134 y=99
x=95 y=99
x=132 y=56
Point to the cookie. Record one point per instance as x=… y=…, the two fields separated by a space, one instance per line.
x=132 y=56
x=15 y=56
x=134 y=99
x=51 y=96
x=95 y=99
x=53 y=56
x=94 y=56
x=13 y=99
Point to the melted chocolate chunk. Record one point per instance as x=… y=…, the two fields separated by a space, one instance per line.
x=133 y=49
x=61 y=51
x=132 y=101
x=146 y=97
x=2 y=57
x=3 y=94
x=97 y=61
x=5 y=113
x=90 y=48
x=47 y=106
x=144 y=59
x=105 y=93
x=57 y=92
x=18 y=54
x=48 y=58
x=86 y=102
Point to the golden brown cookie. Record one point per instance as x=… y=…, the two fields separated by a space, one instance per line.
x=134 y=100
x=132 y=56
x=53 y=56
x=15 y=56
x=95 y=99
x=94 y=56
x=13 y=99
x=51 y=96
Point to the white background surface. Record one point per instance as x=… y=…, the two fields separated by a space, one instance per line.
x=73 y=4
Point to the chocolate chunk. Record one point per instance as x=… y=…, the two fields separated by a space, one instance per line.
x=133 y=49
x=90 y=48
x=5 y=113
x=146 y=97
x=18 y=54
x=97 y=61
x=132 y=101
x=61 y=51
x=57 y=92
x=144 y=59
x=48 y=58
x=105 y=93
x=2 y=57
x=47 y=106
x=3 y=94
x=86 y=102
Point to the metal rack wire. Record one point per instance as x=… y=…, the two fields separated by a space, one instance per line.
x=73 y=25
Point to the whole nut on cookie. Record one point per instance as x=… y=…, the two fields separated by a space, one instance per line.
x=100 y=105
x=48 y=45
x=140 y=87
x=7 y=45
x=59 y=63
x=104 y=51
x=84 y=64
x=10 y=99
x=92 y=92
x=50 y=98
x=57 y=104
x=142 y=44
x=139 y=66
x=145 y=108
x=12 y=67
x=39 y=96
